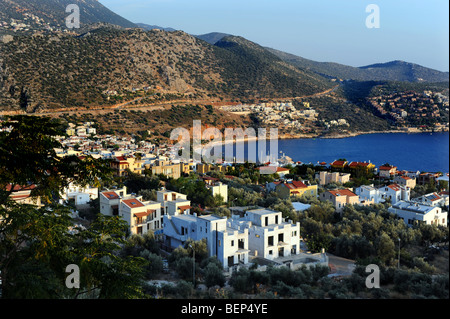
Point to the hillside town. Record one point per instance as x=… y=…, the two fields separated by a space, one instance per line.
x=412 y=109
x=301 y=118
x=249 y=234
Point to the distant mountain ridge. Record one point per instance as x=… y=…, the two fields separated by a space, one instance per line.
x=152 y=27
x=213 y=37
x=389 y=71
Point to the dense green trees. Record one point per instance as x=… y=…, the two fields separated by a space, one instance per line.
x=37 y=243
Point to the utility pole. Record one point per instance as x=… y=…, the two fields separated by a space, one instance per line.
x=193 y=265
x=399 y=253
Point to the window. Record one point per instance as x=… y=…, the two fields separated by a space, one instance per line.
x=270 y=252
x=232 y=243
x=276 y=219
x=270 y=241
x=266 y=221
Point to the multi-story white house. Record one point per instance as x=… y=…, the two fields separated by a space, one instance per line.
x=368 y=193
x=141 y=216
x=393 y=192
x=413 y=213
x=406 y=181
x=110 y=200
x=270 y=236
x=261 y=232
x=325 y=177
x=219 y=189
x=173 y=203
x=230 y=245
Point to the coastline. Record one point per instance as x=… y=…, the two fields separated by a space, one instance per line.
x=354 y=134
x=304 y=136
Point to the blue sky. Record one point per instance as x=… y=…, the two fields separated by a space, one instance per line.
x=322 y=30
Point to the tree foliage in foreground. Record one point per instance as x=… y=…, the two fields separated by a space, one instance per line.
x=37 y=243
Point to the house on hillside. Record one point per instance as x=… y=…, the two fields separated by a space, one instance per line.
x=281 y=171
x=325 y=177
x=173 y=203
x=339 y=164
x=141 y=216
x=433 y=199
x=366 y=166
x=387 y=171
x=340 y=198
x=22 y=194
x=405 y=181
x=295 y=188
x=229 y=244
x=415 y=213
x=395 y=193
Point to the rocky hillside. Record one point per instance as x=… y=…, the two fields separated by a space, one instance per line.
x=51 y=14
x=107 y=66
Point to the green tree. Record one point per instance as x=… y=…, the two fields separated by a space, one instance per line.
x=213 y=275
x=385 y=248
x=38 y=242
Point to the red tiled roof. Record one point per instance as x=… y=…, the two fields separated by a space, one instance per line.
x=295 y=185
x=18 y=188
x=133 y=203
x=338 y=163
x=353 y=164
x=387 y=168
x=394 y=187
x=110 y=195
x=185 y=207
x=144 y=214
x=342 y=192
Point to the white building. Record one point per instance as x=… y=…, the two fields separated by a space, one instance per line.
x=79 y=194
x=433 y=199
x=140 y=215
x=173 y=203
x=413 y=213
x=393 y=192
x=230 y=245
x=368 y=193
x=325 y=177
x=270 y=236
x=261 y=232
x=219 y=189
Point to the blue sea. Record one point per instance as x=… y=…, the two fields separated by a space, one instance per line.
x=413 y=152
